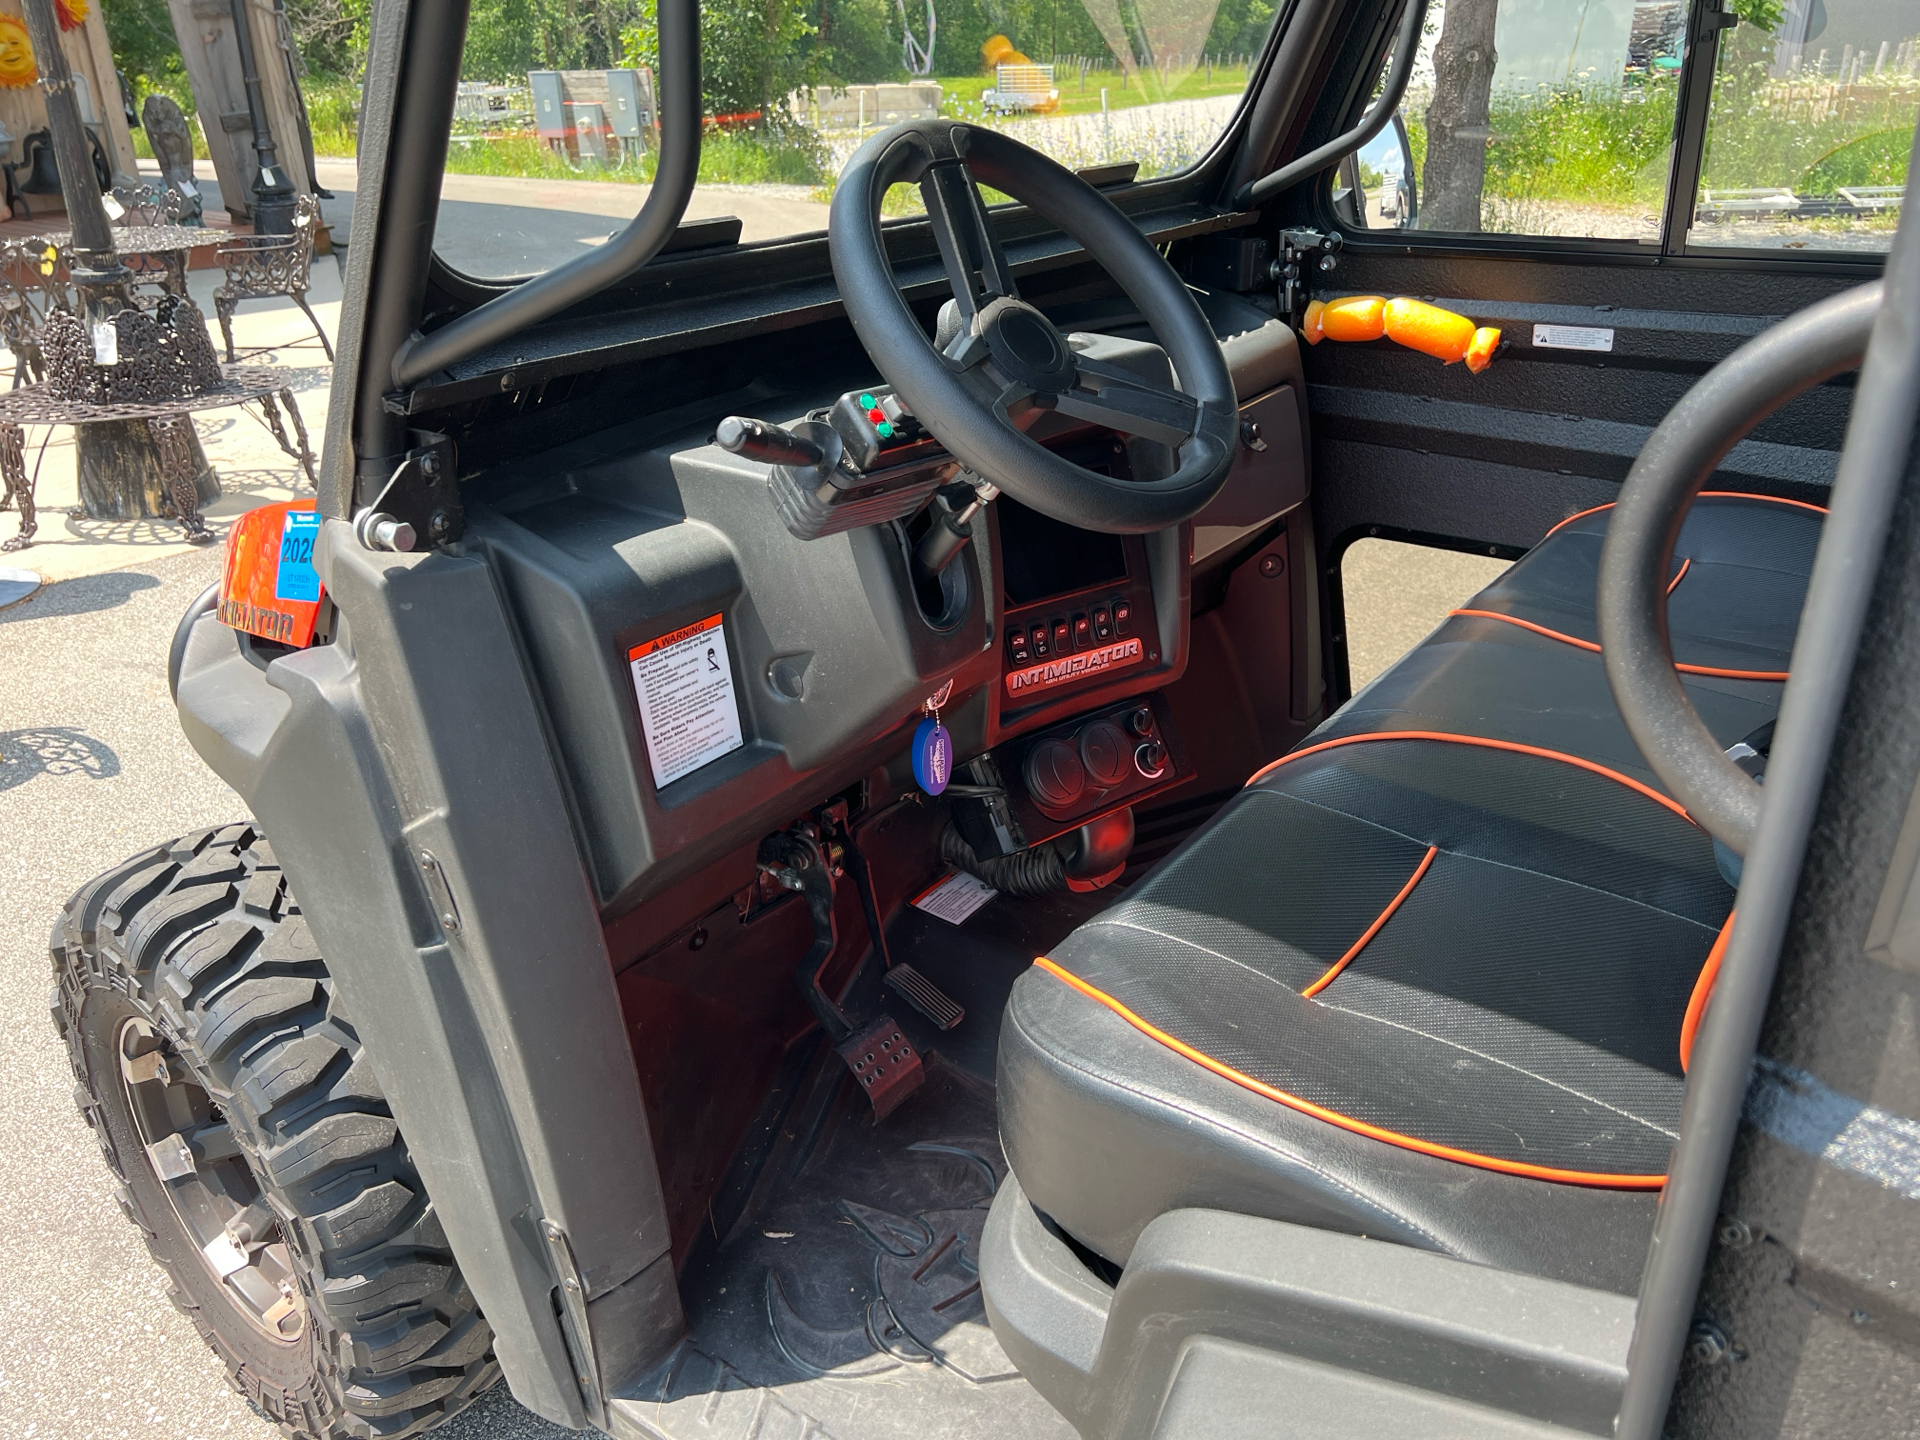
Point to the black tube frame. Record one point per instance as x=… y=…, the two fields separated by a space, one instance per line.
x=566 y=285
x=1880 y=437
x=1679 y=458
x=1406 y=45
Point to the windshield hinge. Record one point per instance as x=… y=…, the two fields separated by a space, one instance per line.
x=422 y=491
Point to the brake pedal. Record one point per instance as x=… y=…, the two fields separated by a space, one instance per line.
x=925 y=996
x=885 y=1064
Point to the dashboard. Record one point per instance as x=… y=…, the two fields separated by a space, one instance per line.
x=707 y=673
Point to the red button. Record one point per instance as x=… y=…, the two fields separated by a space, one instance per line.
x=876 y=415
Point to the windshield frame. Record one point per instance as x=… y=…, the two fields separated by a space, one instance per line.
x=467 y=291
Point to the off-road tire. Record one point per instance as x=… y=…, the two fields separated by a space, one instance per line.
x=201 y=941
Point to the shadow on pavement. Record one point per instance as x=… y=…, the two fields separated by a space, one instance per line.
x=78 y=597
x=53 y=750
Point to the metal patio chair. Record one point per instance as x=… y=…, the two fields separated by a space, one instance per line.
x=269 y=267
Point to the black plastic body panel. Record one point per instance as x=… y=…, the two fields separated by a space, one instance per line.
x=1219 y=1320
x=1409 y=448
x=496 y=1037
x=622 y=538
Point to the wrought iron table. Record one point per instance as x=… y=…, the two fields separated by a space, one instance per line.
x=239 y=385
x=169 y=244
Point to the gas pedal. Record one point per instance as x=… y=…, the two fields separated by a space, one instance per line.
x=924 y=996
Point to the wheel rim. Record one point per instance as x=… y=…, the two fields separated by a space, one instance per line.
x=192 y=1156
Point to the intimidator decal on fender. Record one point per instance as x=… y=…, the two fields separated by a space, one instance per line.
x=270 y=587
x=1072 y=667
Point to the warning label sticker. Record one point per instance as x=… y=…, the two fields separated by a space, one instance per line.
x=1572 y=337
x=954 y=897
x=688 y=711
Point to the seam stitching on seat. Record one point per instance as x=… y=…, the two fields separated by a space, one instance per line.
x=1368 y=935
x=1411 y=1030
x=1097 y=922
x=1485 y=860
x=1717 y=672
x=1613 y=1180
x=1345 y=1187
x=1505 y=1064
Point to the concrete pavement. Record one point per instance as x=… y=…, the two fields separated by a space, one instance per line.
x=1397 y=593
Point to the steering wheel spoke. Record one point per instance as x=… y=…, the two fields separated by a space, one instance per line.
x=969 y=249
x=996 y=364
x=1105 y=394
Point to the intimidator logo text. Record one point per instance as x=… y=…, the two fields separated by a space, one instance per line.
x=258 y=620
x=1072 y=667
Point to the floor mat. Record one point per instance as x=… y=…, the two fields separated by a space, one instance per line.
x=836 y=1292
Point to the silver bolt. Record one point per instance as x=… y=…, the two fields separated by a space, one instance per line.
x=1708 y=1343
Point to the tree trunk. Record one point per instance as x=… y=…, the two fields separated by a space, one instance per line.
x=1457 y=133
x=120 y=473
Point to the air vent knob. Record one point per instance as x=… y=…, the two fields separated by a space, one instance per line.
x=1055 y=777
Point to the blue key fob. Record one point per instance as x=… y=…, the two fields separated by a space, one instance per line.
x=932 y=756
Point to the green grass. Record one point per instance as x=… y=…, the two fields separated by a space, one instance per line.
x=962 y=92
x=333 y=109
x=1573 y=146
x=727 y=157
x=1610 y=149
x=1765 y=132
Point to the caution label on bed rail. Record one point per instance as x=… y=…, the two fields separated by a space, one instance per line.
x=1075 y=667
x=688 y=711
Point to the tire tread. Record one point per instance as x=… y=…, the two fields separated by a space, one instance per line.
x=204 y=936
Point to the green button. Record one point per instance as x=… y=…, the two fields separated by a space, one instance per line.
x=866 y=402
x=884 y=429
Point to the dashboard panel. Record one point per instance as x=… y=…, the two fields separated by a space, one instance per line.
x=811 y=659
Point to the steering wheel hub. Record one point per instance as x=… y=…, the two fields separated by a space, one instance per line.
x=1025 y=345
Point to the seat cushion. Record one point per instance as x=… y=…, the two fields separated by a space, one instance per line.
x=1426 y=977
x=1740 y=571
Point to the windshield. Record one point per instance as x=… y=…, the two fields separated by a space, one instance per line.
x=555 y=138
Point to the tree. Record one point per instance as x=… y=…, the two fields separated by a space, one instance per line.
x=1455 y=174
x=753 y=53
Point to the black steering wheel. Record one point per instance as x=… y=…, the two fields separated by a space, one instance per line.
x=1636 y=559
x=1004 y=358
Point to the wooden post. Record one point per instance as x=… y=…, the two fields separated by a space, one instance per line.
x=209 y=51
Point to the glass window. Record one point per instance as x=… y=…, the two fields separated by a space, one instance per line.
x=1810 y=125
x=1529 y=117
x=554 y=139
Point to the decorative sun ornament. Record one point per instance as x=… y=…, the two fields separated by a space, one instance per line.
x=72 y=13
x=17 y=70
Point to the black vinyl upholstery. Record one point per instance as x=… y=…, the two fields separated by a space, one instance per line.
x=1425 y=977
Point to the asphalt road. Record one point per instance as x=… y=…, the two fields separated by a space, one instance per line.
x=93 y=767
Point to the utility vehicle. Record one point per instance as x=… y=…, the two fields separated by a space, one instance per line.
x=693 y=630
